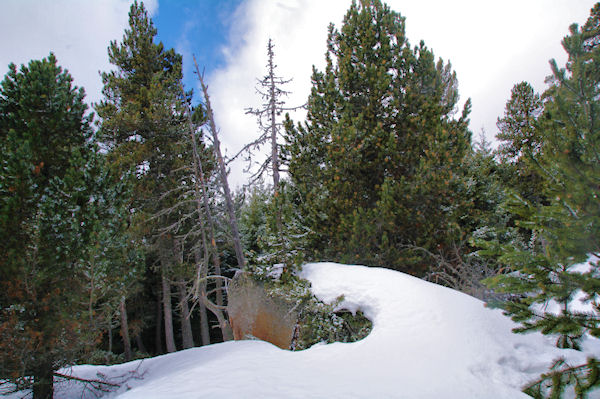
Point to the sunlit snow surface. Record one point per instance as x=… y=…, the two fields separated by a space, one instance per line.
x=427 y=342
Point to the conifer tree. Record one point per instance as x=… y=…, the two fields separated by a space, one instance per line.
x=521 y=145
x=143 y=120
x=566 y=228
x=52 y=207
x=516 y=128
x=377 y=162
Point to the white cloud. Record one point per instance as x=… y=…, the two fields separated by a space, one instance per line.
x=492 y=46
x=78 y=32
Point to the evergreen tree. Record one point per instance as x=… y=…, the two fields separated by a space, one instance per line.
x=51 y=211
x=521 y=144
x=566 y=229
x=142 y=127
x=517 y=128
x=377 y=162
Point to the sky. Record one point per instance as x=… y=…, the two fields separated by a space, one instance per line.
x=492 y=45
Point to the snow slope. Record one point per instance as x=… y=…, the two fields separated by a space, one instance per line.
x=427 y=342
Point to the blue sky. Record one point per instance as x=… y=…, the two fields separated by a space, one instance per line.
x=492 y=46
x=196 y=27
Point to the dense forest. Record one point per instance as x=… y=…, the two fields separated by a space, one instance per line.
x=120 y=235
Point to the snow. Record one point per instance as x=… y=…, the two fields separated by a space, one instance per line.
x=427 y=341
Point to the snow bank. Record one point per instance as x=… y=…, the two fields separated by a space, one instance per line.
x=427 y=342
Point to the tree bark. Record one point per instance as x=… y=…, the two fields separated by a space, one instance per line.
x=140 y=343
x=167 y=312
x=201 y=290
x=110 y=334
x=158 y=348
x=223 y=322
x=43 y=382
x=237 y=242
x=125 y=330
x=186 y=324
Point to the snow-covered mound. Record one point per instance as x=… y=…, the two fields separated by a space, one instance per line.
x=427 y=342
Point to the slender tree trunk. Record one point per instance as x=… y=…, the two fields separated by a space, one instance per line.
x=125 y=330
x=204 y=330
x=237 y=242
x=158 y=348
x=274 y=147
x=167 y=312
x=186 y=323
x=140 y=343
x=202 y=198
x=43 y=382
x=273 y=112
x=110 y=342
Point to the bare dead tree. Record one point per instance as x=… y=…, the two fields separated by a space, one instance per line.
x=199 y=293
x=237 y=242
x=201 y=196
x=269 y=88
x=457 y=269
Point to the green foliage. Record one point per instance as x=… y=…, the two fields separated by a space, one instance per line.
x=378 y=163
x=517 y=128
x=54 y=204
x=145 y=131
x=325 y=323
x=560 y=227
x=554 y=383
x=271 y=241
x=142 y=114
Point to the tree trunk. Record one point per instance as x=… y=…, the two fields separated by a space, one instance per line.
x=125 y=330
x=167 y=312
x=237 y=242
x=202 y=197
x=140 y=343
x=110 y=336
x=43 y=382
x=186 y=324
x=158 y=348
x=274 y=147
x=273 y=127
x=204 y=330
x=223 y=322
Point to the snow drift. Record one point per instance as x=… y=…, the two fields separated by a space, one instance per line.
x=427 y=341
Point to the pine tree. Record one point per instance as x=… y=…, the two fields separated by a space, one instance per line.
x=521 y=145
x=377 y=162
x=517 y=128
x=566 y=228
x=51 y=210
x=143 y=122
